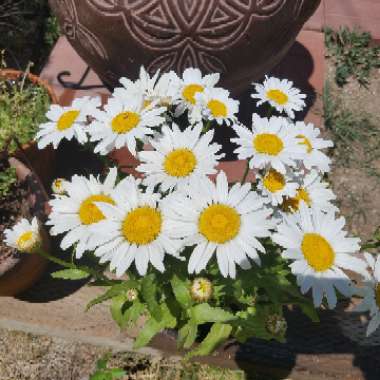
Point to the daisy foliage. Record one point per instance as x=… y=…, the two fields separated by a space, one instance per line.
x=177 y=241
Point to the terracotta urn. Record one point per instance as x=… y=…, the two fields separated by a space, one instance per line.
x=20 y=271
x=241 y=39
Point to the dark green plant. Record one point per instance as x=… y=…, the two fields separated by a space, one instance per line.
x=104 y=373
x=52 y=31
x=7 y=180
x=251 y=305
x=353 y=54
x=27 y=31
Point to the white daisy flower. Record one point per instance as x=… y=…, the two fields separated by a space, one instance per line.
x=216 y=219
x=371 y=293
x=274 y=187
x=271 y=142
x=193 y=83
x=159 y=90
x=136 y=229
x=318 y=246
x=24 y=236
x=308 y=136
x=280 y=94
x=180 y=158
x=122 y=122
x=313 y=192
x=75 y=212
x=58 y=186
x=217 y=105
x=67 y=122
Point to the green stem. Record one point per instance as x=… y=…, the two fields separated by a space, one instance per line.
x=245 y=173
x=270 y=111
x=65 y=264
x=206 y=127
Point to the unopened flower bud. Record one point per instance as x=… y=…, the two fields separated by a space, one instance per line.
x=276 y=325
x=58 y=186
x=131 y=294
x=201 y=289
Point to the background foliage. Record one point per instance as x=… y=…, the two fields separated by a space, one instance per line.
x=27 y=32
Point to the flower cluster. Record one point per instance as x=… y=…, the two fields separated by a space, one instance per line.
x=255 y=245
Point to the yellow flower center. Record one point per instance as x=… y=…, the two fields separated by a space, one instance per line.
x=219 y=223
x=317 y=252
x=293 y=204
x=305 y=141
x=89 y=212
x=377 y=295
x=25 y=241
x=274 y=181
x=58 y=184
x=217 y=108
x=268 y=143
x=180 y=163
x=278 y=96
x=125 y=122
x=147 y=103
x=189 y=92
x=67 y=119
x=142 y=225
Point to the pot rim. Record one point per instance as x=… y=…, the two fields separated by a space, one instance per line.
x=14 y=74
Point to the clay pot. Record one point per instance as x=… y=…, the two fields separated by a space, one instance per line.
x=20 y=273
x=43 y=160
x=242 y=39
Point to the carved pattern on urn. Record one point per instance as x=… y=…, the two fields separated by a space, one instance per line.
x=175 y=34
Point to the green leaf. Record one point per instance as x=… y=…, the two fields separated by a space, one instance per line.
x=204 y=313
x=113 y=292
x=117 y=309
x=100 y=375
x=154 y=326
x=218 y=334
x=151 y=328
x=117 y=373
x=108 y=374
x=102 y=363
x=70 y=274
x=181 y=291
x=187 y=335
x=133 y=313
x=309 y=310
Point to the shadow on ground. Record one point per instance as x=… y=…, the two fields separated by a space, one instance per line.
x=330 y=349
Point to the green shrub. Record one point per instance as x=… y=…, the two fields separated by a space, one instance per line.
x=22 y=108
x=354 y=57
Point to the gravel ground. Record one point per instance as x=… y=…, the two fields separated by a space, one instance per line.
x=25 y=356
x=355 y=175
x=28 y=357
